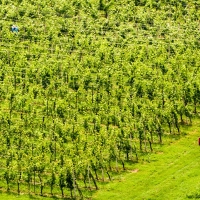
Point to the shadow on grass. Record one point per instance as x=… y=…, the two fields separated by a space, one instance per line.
x=34 y=196
x=176 y=136
x=193 y=196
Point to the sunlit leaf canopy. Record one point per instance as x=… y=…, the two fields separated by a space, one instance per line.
x=87 y=86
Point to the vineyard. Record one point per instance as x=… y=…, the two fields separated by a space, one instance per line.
x=87 y=87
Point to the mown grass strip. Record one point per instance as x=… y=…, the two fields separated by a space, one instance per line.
x=173 y=173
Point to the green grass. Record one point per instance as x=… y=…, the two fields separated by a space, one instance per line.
x=171 y=172
x=5 y=196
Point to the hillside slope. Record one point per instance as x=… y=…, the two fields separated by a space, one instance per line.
x=172 y=174
x=87 y=87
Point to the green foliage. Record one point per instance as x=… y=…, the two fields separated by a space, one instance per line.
x=92 y=84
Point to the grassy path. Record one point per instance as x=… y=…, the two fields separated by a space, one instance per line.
x=171 y=174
